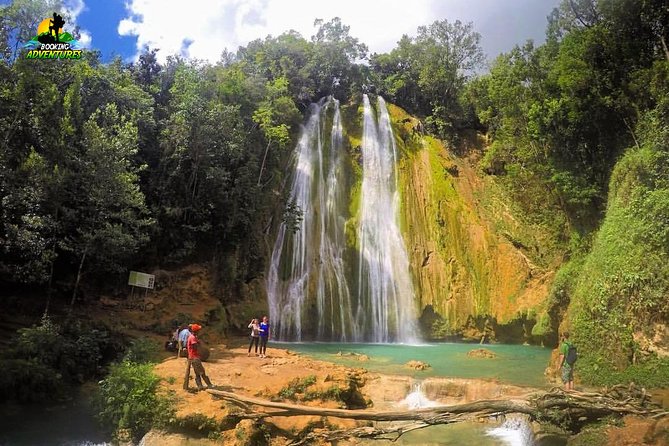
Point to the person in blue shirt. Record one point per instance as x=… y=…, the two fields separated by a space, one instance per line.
x=264 y=336
x=183 y=339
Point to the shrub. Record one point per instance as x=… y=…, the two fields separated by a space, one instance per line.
x=295 y=387
x=44 y=360
x=141 y=351
x=29 y=381
x=128 y=399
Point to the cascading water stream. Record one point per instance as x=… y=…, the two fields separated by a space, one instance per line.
x=386 y=297
x=333 y=297
x=307 y=283
x=515 y=431
x=417 y=399
x=289 y=275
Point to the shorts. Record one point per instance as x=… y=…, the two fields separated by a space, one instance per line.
x=567 y=373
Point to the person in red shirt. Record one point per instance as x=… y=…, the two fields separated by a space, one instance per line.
x=194 y=360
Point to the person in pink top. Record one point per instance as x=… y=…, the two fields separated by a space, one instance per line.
x=192 y=346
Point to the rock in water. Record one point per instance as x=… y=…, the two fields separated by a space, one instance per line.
x=481 y=353
x=417 y=365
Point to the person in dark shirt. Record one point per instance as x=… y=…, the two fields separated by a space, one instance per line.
x=264 y=336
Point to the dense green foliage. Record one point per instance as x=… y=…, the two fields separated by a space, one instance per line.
x=621 y=293
x=579 y=138
x=177 y=162
x=427 y=74
x=129 y=401
x=45 y=361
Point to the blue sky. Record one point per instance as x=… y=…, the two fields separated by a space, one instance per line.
x=204 y=28
x=101 y=18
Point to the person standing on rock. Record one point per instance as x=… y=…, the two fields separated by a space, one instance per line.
x=192 y=346
x=567 y=360
x=264 y=336
x=255 y=335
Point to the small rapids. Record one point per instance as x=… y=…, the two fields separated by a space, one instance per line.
x=515 y=431
x=417 y=399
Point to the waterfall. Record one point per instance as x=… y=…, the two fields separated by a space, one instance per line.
x=286 y=294
x=386 y=297
x=515 y=431
x=307 y=285
x=417 y=399
x=333 y=296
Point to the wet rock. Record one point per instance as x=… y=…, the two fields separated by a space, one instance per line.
x=417 y=365
x=481 y=353
x=353 y=355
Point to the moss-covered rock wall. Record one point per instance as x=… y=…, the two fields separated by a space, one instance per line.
x=621 y=292
x=470 y=258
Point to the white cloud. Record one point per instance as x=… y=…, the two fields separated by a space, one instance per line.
x=203 y=29
x=207 y=27
x=85 y=39
x=73 y=8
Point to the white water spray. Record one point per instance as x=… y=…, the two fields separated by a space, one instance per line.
x=417 y=399
x=515 y=431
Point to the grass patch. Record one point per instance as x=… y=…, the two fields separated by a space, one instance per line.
x=296 y=387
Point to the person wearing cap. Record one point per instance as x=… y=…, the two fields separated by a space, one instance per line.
x=192 y=346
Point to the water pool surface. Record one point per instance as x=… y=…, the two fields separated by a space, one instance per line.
x=521 y=365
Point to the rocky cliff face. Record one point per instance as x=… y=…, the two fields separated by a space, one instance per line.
x=477 y=270
x=470 y=258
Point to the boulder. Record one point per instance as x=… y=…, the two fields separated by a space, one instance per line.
x=481 y=353
x=417 y=365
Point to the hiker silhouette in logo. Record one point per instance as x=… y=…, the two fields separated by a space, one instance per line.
x=55 y=24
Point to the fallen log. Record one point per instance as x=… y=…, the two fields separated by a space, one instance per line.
x=289 y=410
x=570 y=409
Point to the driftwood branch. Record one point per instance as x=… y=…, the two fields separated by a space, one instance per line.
x=571 y=409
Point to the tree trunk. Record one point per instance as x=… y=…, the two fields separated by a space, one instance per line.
x=76 y=284
x=566 y=409
x=664 y=47
x=48 y=291
x=262 y=166
x=289 y=410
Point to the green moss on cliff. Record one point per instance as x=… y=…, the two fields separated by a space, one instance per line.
x=461 y=266
x=621 y=292
x=351 y=115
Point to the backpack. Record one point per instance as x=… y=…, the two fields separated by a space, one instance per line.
x=572 y=354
